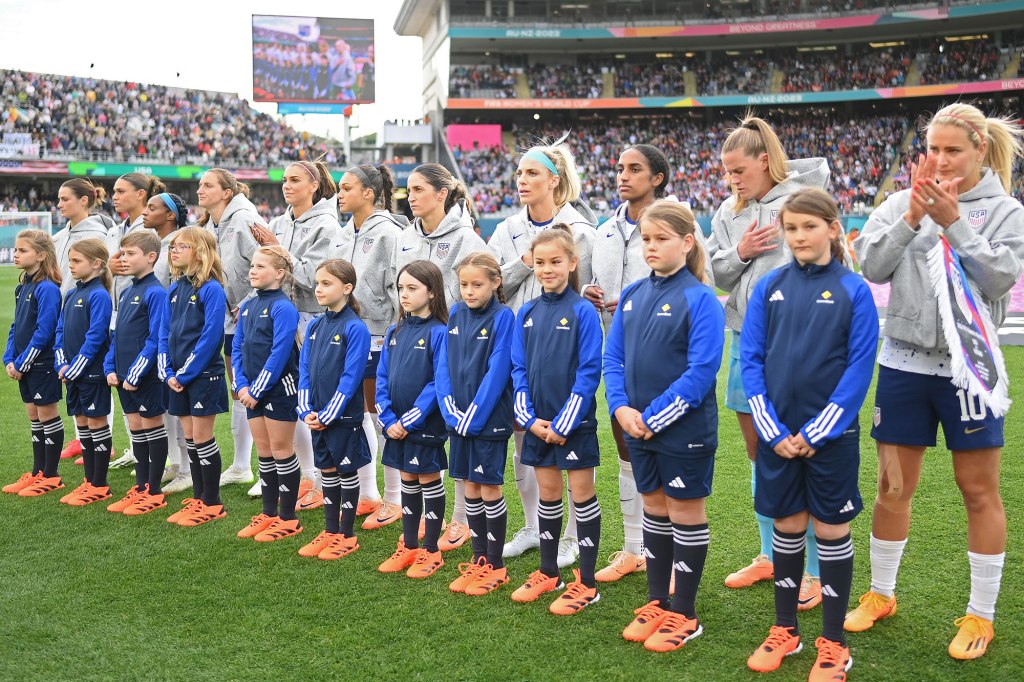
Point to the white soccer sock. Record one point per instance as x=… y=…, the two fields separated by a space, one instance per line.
x=127 y=429
x=242 y=436
x=526 y=482
x=632 y=510
x=304 y=451
x=459 y=508
x=78 y=436
x=570 y=518
x=986 y=576
x=885 y=563
x=173 y=454
x=392 y=486
x=368 y=473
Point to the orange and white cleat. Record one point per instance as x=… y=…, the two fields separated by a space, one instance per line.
x=426 y=564
x=973 y=638
x=189 y=506
x=537 y=584
x=488 y=580
x=467 y=573
x=72 y=449
x=648 y=619
x=312 y=549
x=85 y=485
x=832 y=663
x=24 y=481
x=42 y=486
x=810 y=593
x=338 y=547
x=761 y=568
x=673 y=633
x=90 y=496
x=456 y=536
x=872 y=608
x=205 y=514
x=259 y=523
x=279 y=530
x=128 y=500
x=368 y=506
x=402 y=559
x=781 y=642
x=145 y=504
x=386 y=515
x=620 y=565
x=309 y=496
x=576 y=597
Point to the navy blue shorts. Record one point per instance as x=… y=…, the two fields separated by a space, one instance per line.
x=684 y=478
x=909 y=408
x=824 y=485
x=341 y=447
x=40 y=385
x=88 y=399
x=150 y=400
x=207 y=395
x=279 y=402
x=580 y=451
x=371 y=365
x=477 y=460
x=413 y=458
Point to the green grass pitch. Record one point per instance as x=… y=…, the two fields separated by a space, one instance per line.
x=89 y=595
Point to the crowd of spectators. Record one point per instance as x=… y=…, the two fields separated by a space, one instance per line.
x=968 y=60
x=482 y=81
x=71 y=116
x=860 y=152
x=565 y=81
x=836 y=70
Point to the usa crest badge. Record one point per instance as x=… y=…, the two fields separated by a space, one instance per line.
x=977 y=218
x=367 y=245
x=442 y=249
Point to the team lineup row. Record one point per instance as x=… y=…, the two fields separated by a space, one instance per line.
x=473 y=375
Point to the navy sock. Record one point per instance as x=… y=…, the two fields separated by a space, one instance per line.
x=412 y=510
x=433 y=513
x=658 y=552
x=53 y=443
x=140 y=449
x=349 y=502
x=157 y=440
x=332 y=500
x=549 y=530
x=289 y=477
x=269 y=487
x=195 y=469
x=588 y=528
x=497 y=526
x=209 y=469
x=85 y=438
x=689 y=552
x=38 y=449
x=477 y=521
x=836 y=561
x=788 y=552
x=101 y=447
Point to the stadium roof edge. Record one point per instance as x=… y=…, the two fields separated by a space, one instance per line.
x=413 y=14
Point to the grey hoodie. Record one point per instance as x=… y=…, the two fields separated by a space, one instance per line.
x=114 y=236
x=372 y=251
x=449 y=243
x=235 y=245
x=727 y=228
x=988 y=237
x=512 y=239
x=619 y=260
x=92 y=227
x=162 y=268
x=308 y=240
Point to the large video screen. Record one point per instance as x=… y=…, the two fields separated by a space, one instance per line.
x=312 y=59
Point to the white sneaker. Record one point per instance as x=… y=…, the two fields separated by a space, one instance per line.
x=257 y=489
x=170 y=473
x=568 y=551
x=524 y=540
x=232 y=475
x=125 y=460
x=179 y=483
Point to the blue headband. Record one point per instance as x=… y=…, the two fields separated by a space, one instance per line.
x=170 y=204
x=538 y=155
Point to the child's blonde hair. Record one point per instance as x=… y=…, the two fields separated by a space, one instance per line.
x=280 y=260
x=561 y=234
x=486 y=262
x=755 y=137
x=95 y=249
x=816 y=202
x=205 y=264
x=1003 y=136
x=43 y=244
x=679 y=219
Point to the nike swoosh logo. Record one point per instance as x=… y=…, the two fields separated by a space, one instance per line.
x=406 y=248
x=970 y=431
x=517 y=236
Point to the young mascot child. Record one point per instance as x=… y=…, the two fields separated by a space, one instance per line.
x=407 y=405
x=83 y=337
x=474 y=392
x=331 y=367
x=266 y=357
x=556 y=369
x=661 y=358
x=28 y=359
x=190 y=363
x=809 y=340
x=131 y=367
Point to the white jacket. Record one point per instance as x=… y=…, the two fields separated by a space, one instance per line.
x=452 y=240
x=92 y=227
x=308 y=239
x=371 y=251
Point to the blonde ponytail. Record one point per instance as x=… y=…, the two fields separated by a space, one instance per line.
x=755 y=137
x=1002 y=136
